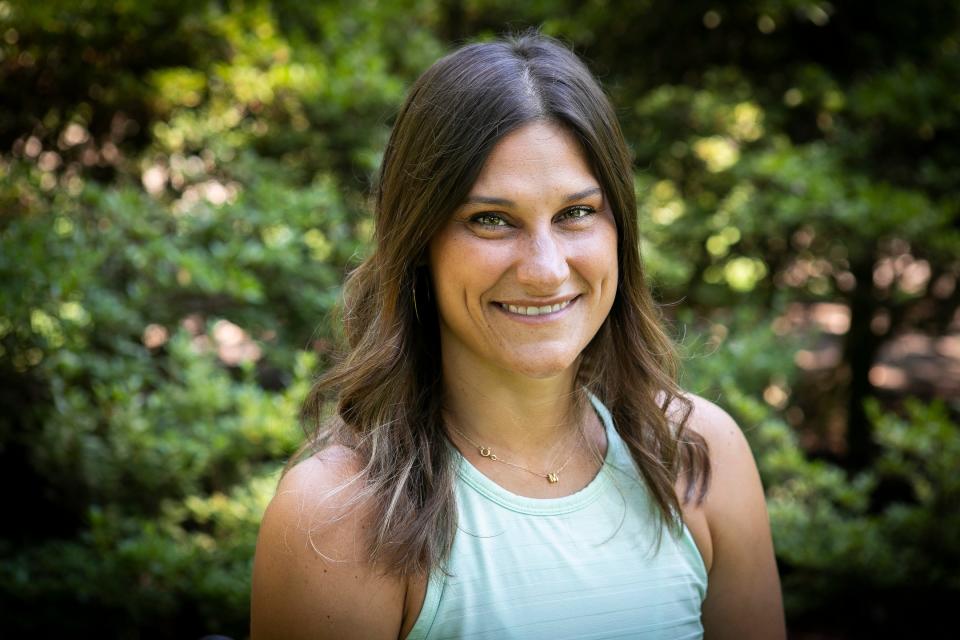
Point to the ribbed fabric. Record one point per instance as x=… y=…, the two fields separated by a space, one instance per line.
x=584 y=566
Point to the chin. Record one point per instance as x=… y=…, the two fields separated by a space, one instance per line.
x=542 y=365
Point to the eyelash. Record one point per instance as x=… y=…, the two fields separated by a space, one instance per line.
x=581 y=209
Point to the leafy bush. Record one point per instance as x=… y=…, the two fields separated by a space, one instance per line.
x=176 y=224
x=879 y=542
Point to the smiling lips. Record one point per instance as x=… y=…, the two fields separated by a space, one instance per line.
x=535 y=310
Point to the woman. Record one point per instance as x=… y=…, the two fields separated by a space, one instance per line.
x=509 y=454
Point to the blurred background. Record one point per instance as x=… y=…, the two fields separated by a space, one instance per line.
x=184 y=183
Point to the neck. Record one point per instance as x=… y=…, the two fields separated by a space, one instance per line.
x=524 y=416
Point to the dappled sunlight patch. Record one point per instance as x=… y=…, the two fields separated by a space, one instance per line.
x=743 y=273
x=74 y=134
x=949 y=346
x=747 y=123
x=277 y=236
x=178 y=86
x=75 y=313
x=718 y=245
x=663 y=202
x=155 y=336
x=154 y=179
x=777 y=394
x=212 y=192
x=831 y=317
x=814 y=359
x=910 y=274
x=828 y=317
x=320 y=246
x=668 y=212
x=718 y=153
x=47 y=326
x=234 y=345
x=888 y=377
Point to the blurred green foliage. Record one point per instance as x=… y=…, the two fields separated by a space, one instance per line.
x=184 y=184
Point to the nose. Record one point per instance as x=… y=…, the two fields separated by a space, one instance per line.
x=542 y=265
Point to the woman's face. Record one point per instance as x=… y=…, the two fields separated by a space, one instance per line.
x=525 y=271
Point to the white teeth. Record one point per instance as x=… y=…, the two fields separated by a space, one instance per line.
x=535 y=311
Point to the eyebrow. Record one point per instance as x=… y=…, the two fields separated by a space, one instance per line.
x=503 y=202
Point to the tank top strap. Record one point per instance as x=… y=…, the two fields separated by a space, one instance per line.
x=618 y=455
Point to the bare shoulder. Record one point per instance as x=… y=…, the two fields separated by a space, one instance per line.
x=313 y=505
x=320 y=485
x=731 y=460
x=311 y=576
x=743 y=594
x=729 y=451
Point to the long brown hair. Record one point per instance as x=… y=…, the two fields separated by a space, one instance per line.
x=386 y=392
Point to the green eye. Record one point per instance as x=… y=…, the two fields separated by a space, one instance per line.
x=577 y=213
x=488 y=220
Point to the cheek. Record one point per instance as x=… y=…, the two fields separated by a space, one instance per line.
x=462 y=268
x=605 y=270
x=598 y=258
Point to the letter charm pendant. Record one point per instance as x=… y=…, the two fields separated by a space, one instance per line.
x=552 y=478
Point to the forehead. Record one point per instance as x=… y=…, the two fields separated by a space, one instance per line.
x=536 y=158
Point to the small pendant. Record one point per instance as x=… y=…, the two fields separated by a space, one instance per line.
x=485 y=451
x=552 y=478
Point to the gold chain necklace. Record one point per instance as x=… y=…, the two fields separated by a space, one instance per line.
x=485 y=452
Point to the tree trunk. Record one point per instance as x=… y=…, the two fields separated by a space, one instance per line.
x=859 y=351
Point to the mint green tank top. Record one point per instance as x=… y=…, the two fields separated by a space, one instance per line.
x=584 y=566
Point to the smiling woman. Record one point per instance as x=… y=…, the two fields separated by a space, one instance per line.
x=525 y=272
x=508 y=453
